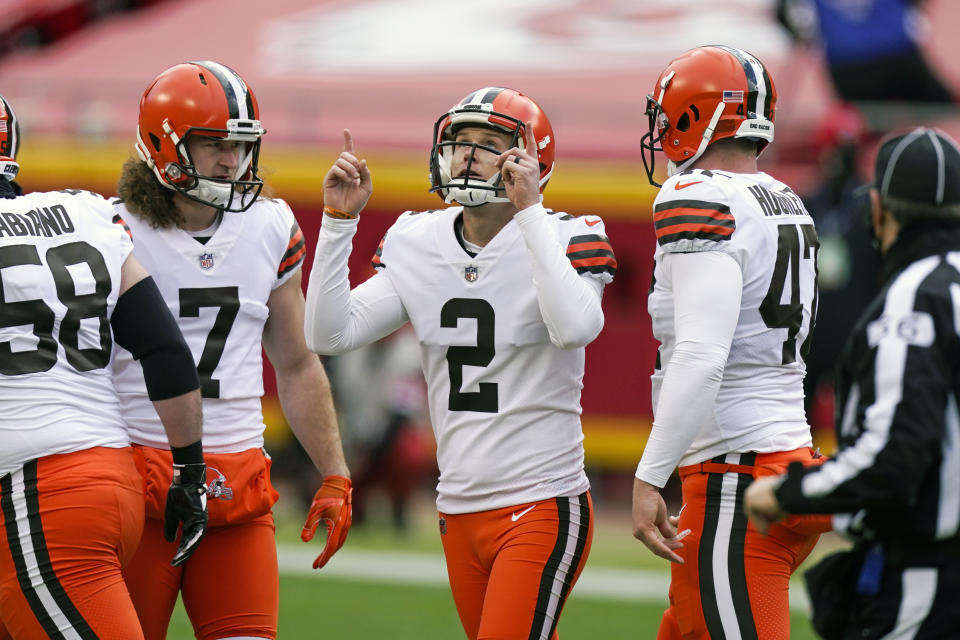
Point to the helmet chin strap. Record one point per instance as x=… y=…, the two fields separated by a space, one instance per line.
x=673 y=169
x=215 y=194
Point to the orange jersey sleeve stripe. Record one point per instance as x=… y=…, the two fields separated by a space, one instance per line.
x=123 y=223
x=592 y=262
x=291 y=262
x=586 y=246
x=295 y=238
x=295 y=253
x=692 y=220
x=666 y=214
x=694 y=227
x=375 y=261
x=592 y=253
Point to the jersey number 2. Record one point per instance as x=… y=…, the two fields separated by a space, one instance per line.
x=484 y=400
x=789 y=316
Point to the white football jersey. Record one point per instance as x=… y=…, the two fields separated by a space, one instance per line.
x=60 y=265
x=504 y=401
x=218 y=293
x=764 y=227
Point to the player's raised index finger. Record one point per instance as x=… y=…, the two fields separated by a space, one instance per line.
x=531 y=140
x=347 y=141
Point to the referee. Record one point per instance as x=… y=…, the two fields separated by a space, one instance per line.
x=894 y=486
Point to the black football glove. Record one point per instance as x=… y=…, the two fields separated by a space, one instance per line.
x=186 y=509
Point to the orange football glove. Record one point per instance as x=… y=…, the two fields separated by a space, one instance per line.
x=331 y=504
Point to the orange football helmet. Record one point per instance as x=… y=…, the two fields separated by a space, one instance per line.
x=498 y=108
x=9 y=141
x=707 y=94
x=206 y=99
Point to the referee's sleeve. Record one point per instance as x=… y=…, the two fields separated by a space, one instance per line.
x=902 y=401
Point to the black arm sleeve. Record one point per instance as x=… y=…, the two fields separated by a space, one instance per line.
x=143 y=325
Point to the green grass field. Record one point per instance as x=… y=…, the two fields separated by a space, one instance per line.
x=345 y=609
x=334 y=606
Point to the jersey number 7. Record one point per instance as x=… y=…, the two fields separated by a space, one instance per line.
x=228 y=301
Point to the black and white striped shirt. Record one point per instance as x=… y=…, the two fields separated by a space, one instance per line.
x=896 y=475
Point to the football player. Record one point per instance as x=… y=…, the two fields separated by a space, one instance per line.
x=229 y=264
x=503 y=295
x=733 y=304
x=71 y=499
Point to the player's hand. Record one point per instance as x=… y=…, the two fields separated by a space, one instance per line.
x=347 y=185
x=520 y=172
x=760 y=502
x=651 y=525
x=332 y=504
x=186 y=509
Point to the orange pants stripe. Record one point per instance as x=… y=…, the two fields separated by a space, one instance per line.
x=70 y=521
x=512 y=569
x=734 y=581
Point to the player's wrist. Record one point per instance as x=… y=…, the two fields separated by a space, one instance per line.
x=190 y=454
x=339 y=214
x=531 y=211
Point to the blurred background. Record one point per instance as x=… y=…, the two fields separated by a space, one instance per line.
x=847 y=71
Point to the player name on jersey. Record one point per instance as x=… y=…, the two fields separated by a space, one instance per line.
x=42 y=221
x=783 y=203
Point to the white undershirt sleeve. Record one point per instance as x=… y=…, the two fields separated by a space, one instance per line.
x=707 y=287
x=336 y=319
x=569 y=303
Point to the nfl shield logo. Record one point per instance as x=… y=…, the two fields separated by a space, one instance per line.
x=206 y=260
x=470 y=273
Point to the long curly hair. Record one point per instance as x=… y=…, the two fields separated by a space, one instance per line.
x=141 y=190
x=145 y=197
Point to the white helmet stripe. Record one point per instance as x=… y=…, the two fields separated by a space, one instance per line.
x=759 y=106
x=238 y=96
x=482 y=96
x=758 y=82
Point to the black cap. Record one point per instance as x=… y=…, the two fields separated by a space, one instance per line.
x=922 y=166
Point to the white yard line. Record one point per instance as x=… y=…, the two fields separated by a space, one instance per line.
x=408 y=567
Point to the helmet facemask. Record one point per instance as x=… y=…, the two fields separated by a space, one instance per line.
x=466 y=190
x=9 y=141
x=652 y=141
